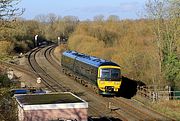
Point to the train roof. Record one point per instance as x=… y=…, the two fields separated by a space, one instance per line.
x=90 y=60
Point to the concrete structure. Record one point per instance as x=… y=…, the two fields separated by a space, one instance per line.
x=51 y=107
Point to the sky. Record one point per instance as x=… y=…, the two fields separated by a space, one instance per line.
x=83 y=9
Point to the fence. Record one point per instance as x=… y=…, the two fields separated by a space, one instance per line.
x=154 y=93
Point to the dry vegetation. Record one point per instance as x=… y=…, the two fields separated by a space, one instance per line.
x=4 y=47
x=170 y=108
x=129 y=43
x=147 y=49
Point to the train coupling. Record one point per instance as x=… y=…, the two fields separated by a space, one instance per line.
x=109 y=89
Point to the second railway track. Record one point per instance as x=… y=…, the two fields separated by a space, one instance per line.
x=46 y=79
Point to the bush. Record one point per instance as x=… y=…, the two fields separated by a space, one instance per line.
x=5 y=47
x=4 y=81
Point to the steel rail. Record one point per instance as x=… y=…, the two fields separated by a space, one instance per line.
x=35 y=67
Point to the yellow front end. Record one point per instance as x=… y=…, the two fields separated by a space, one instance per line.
x=108 y=85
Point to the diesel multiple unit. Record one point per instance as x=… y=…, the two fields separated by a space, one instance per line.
x=104 y=75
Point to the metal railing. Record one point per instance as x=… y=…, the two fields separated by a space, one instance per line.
x=157 y=94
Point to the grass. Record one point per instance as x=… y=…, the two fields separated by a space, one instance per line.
x=170 y=108
x=5 y=57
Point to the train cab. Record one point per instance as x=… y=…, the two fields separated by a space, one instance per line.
x=109 y=79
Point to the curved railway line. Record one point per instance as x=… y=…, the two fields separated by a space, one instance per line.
x=48 y=80
x=42 y=60
x=45 y=65
x=123 y=108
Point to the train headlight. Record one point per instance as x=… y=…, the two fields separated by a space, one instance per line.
x=101 y=82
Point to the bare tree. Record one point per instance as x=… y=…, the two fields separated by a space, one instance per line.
x=99 y=18
x=113 y=18
x=9 y=10
x=40 y=18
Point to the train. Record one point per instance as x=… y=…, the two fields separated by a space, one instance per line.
x=98 y=73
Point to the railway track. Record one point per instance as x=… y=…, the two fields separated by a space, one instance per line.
x=100 y=108
x=47 y=80
x=112 y=109
x=45 y=58
x=19 y=68
x=122 y=108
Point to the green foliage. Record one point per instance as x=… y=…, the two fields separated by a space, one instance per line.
x=5 y=47
x=172 y=70
x=8 y=11
x=166 y=28
x=21 y=46
x=4 y=81
x=8 y=106
x=20 y=33
x=7 y=30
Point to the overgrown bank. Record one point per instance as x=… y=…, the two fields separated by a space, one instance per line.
x=147 y=49
x=8 y=107
x=130 y=43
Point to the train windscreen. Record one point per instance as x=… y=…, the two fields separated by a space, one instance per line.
x=109 y=74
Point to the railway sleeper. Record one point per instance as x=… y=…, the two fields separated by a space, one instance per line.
x=87 y=85
x=82 y=82
x=77 y=79
x=63 y=70
x=74 y=77
x=95 y=89
x=69 y=74
x=66 y=72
